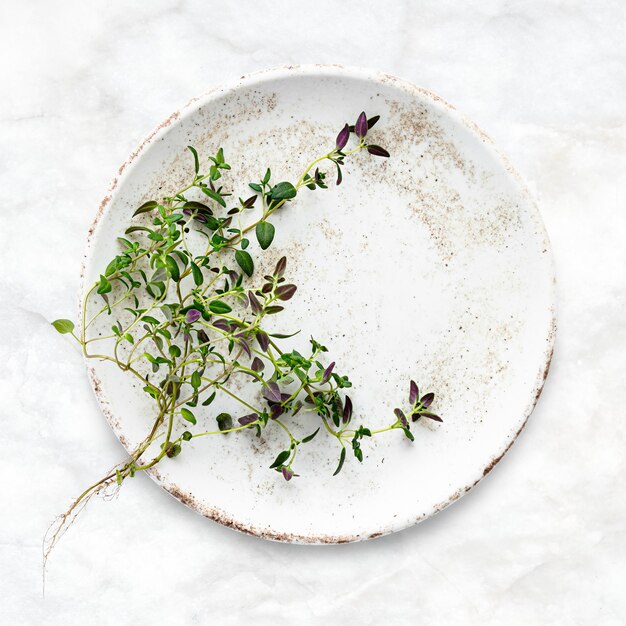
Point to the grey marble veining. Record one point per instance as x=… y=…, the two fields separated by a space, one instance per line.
x=541 y=541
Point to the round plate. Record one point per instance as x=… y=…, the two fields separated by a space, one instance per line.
x=431 y=265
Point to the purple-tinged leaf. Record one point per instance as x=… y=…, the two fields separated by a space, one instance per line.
x=222 y=325
x=347 y=410
x=339 y=176
x=432 y=416
x=414 y=392
x=285 y=292
x=186 y=337
x=342 y=137
x=377 y=151
x=193 y=315
x=415 y=417
x=257 y=365
x=255 y=305
x=263 y=339
x=272 y=392
x=280 y=267
x=296 y=408
x=360 y=128
x=327 y=372
x=245 y=345
x=427 y=400
x=248 y=419
x=372 y=121
x=276 y=411
x=249 y=202
x=287 y=473
x=402 y=417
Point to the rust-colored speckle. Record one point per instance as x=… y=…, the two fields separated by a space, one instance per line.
x=103 y=204
x=164 y=124
x=219 y=516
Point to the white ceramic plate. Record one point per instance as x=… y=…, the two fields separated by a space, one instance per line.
x=432 y=265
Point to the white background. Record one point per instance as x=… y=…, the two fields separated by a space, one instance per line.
x=541 y=541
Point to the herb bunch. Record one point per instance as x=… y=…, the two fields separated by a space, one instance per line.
x=196 y=318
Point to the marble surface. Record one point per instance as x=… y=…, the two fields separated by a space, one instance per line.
x=541 y=541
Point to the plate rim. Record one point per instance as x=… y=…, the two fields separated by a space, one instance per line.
x=338 y=71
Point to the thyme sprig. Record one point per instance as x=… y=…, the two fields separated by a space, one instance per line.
x=193 y=319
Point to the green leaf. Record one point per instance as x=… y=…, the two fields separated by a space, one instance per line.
x=172 y=268
x=104 y=286
x=182 y=255
x=245 y=243
x=145 y=207
x=173 y=218
x=152 y=391
x=283 y=191
x=209 y=399
x=173 y=450
x=188 y=415
x=280 y=459
x=224 y=421
x=217 y=306
x=196 y=379
x=111 y=267
x=266 y=178
x=197 y=274
x=63 y=326
x=214 y=196
x=342 y=458
x=211 y=223
x=265 y=234
x=197 y=206
x=309 y=437
x=196 y=162
x=283 y=336
x=245 y=262
x=408 y=434
x=128 y=244
x=134 y=229
x=256 y=187
x=174 y=351
x=186 y=436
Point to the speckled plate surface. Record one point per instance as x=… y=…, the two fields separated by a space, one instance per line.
x=432 y=265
